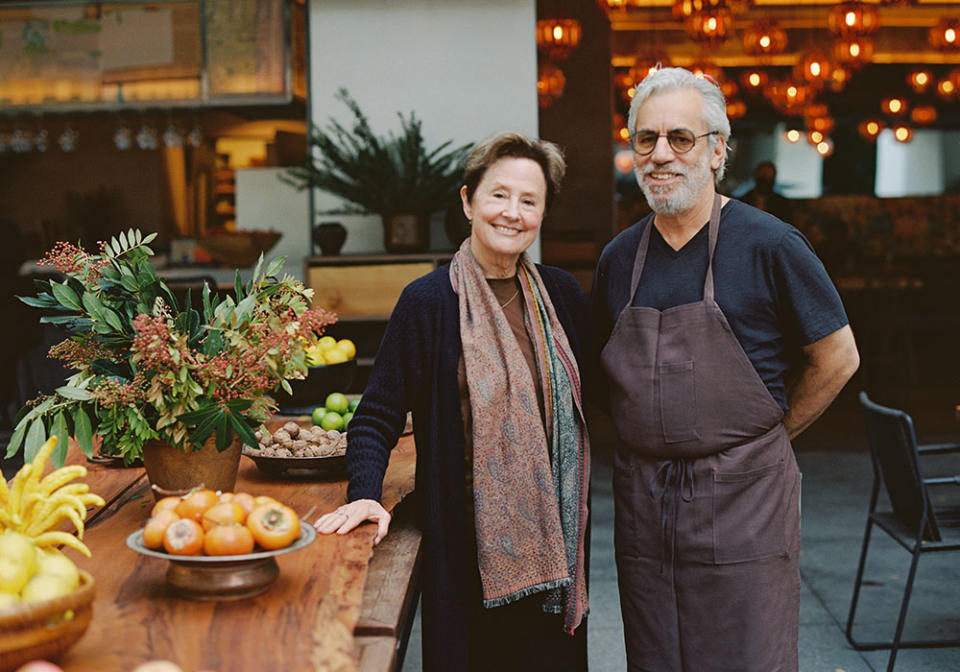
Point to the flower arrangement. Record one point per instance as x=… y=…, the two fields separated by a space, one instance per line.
x=145 y=368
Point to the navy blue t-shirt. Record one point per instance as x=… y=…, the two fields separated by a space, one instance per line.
x=770 y=285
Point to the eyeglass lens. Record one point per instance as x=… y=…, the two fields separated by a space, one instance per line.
x=681 y=141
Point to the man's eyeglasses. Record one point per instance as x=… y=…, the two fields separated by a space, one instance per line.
x=681 y=140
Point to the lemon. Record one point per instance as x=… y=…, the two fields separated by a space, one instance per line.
x=13 y=576
x=45 y=587
x=335 y=356
x=314 y=355
x=19 y=549
x=347 y=347
x=327 y=343
x=57 y=564
x=332 y=420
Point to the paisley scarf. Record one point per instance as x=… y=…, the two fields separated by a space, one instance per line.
x=529 y=481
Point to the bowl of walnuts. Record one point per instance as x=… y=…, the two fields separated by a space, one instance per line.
x=297 y=447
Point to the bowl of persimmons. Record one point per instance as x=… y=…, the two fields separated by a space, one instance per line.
x=221 y=546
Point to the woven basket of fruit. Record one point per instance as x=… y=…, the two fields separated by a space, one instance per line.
x=46 y=628
x=238 y=248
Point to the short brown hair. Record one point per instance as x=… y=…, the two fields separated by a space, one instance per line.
x=514 y=145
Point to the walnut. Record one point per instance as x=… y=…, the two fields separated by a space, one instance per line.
x=326 y=450
x=333 y=435
x=259 y=435
x=269 y=451
x=298 y=444
x=284 y=452
x=292 y=428
x=281 y=436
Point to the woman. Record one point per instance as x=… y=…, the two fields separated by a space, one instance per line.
x=484 y=352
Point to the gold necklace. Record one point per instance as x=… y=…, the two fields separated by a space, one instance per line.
x=510 y=300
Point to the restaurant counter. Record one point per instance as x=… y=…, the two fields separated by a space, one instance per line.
x=335 y=606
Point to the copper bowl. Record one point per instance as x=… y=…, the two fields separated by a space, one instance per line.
x=222 y=577
x=45 y=629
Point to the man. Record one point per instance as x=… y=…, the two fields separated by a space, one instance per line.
x=763 y=197
x=696 y=307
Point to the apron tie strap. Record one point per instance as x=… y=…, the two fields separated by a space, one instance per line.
x=674 y=478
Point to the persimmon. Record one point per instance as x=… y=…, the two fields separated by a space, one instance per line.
x=169 y=503
x=156 y=526
x=260 y=500
x=274 y=525
x=222 y=513
x=183 y=537
x=228 y=540
x=194 y=504
x=245 y=500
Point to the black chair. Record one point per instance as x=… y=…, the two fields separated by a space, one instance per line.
x=912 y=521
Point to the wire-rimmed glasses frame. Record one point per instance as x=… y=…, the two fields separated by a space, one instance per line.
x=681 y=140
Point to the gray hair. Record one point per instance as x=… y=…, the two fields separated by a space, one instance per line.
x=665 y=80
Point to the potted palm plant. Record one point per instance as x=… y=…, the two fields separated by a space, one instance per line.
x=156 y=380
x=394 y=176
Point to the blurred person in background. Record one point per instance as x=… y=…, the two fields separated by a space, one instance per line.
x=484 y=352
x=763 y=197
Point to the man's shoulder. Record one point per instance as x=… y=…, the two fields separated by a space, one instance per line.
x=753 y=225
x=624 y=244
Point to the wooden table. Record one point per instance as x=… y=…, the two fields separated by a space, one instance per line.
x=336 y=605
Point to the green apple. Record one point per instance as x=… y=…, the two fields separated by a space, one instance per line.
x=337 y=402
x=318 y=413
x=347 y=417
x=352 y=406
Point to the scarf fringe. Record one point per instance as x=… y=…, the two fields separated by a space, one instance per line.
x=527 y=591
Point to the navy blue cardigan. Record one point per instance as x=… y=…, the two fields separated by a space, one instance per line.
x=416 y=369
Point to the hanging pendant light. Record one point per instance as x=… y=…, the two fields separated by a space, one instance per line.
x=814 y=67
x=895 y=106
x=711 y=27
x=754 y=79
x=920 y=79
x=870 y=128
x=946 y=88
x=558 y=38
x=923 y=115
x=853 y=19
x=902 y=133
x=839 y=77
x=945 y=36
x=550 y=84
x=825 y=147
x=792 y=135
x=764 y=38
x=853 y=52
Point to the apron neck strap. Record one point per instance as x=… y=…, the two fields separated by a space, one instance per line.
x=641 y=257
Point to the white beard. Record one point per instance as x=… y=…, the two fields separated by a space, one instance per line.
x=684 y=195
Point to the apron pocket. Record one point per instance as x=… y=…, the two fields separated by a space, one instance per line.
x=678 y=402
x=748 y=514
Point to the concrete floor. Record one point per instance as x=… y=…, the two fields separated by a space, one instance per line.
x=837 y=477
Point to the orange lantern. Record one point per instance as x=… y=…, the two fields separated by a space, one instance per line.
x=825 y=147
x=816 y=137
x=922 y=115
x=557 y=38
x=870 y=128
x=764 y=38
x=736 y=109
x=711 y=27
x=894 y=106
x=550 y=84
x=946 y=88
x=920 y=79
x=754 y=79
x=839 y=77
x=792 y=136
x=684 y=9
x=902 y=133
x=852 y=19
x=945 y=36
x=822 y=124
x=814 y=67
x=853 y=51
x=729 y=88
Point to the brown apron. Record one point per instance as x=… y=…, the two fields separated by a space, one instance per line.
x=706 y=487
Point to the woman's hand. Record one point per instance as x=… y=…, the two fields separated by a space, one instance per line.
x=348 y=516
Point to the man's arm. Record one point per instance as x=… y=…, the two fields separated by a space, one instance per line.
x=829 y=364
